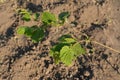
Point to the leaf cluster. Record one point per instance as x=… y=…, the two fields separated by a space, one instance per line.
x=37 y=33
x=49 y=19
x=34 y=32
x=27 y=15
x=66 y=50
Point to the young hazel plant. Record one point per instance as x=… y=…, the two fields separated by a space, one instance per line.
x=66 y=50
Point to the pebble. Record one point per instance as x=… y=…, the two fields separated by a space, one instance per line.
x=86 y=73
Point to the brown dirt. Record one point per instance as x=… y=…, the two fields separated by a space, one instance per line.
x=20 y=59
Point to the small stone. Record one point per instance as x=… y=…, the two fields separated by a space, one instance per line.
x=86 y=73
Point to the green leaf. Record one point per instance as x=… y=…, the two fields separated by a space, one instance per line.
x=22 y=11
x=59 y=46
x=78 y=49
x=48 y=18
x=63 y=16
x=37 y=35
x=55 y=55
x=55 y=52
x=52 y=52
x=66 y=55
x=28 y=31
x=21 y=30
x=36 y=16
x=26 y=17
x=66 y=39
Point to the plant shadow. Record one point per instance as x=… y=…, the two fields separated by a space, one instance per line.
x=34 y=8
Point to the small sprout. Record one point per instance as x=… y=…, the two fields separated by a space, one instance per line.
x=63 y=17
x=26 y=15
